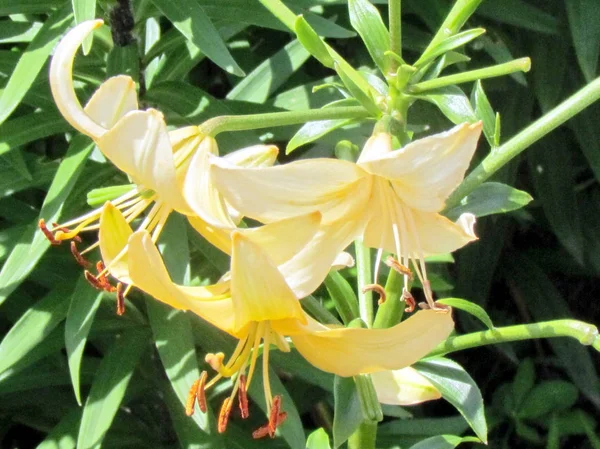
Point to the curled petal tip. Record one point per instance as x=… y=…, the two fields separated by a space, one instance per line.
x=467 y=222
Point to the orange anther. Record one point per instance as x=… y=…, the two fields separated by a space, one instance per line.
x=49 y=235
x=397 y=266
x=78 y=257
x=93 y=280
x=120 y=299
x=274 y=415
x=191 y=398
x=102 y=279
x=410 y=301
x=263 y=431
x=201 y=394
x=224 y=415
x=377 y=289
x=243 y=397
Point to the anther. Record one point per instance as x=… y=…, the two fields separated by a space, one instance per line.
x=49 y=235
x=78 y=257
x=243 y=397
x=102 y=279
x=409 y=300
x=215 y=360
x=263 y=431
x=191 y=398
x=395 y=265
x=224 y=415
x=120 y=300
x=377 y=289
x=201 y=393
x=274 y=415
x=93 y=280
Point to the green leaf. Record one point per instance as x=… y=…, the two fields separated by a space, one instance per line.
x=124 y=61
x=80 y=316
x=548 y=397
x=348 y=412
x=521 y=14
x=448 y=44
x=553 y=176
x=318 y=440
x=499 y=51
x=108 y=389
x=265 y=79
x=33 y=244
x=64 y=434
x=33 y=327
x=343 y=296
x=8 y=7
x=365 y=19
x=444 y=442
x=458 y=388
x=18 y=31
x=484 y=112
x=190 y=19
x=84 y=10
x=469 y=307
x=453 y=103
x=311 y=131
x=358 y=87
x=312 y=42
x=32 y=60
x=584 y=16
x=523 y=381
x=490 y=198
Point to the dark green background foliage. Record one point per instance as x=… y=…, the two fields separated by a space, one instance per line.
x=537 y=263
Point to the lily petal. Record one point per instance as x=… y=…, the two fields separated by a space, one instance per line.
x=350 y=351
x=148 y=273
x=403 y=387
x=335 y=188
x=139 y=145
x=61 y=80
x=112 y=100
x=378 y=145
x=258 y=289
x=426 y=171
x=113 y=236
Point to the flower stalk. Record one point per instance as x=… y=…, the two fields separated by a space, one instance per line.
x=584 y=333
x=363 y=278
x=395 y=19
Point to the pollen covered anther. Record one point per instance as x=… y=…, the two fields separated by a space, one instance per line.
x=263 y=431
x=191 y=398
x=377 y=289
x=397 y=266
x=409 y=300
x=120 y=300
x=274 y=415
x=224 y=415
x=201 y=393
x=78 y=257
x=49 y=235
x=243 y=397
x=93 y=280
x=102 y=279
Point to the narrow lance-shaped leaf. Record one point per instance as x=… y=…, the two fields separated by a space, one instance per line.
x=365 y=19
x=469 y=307
x=85 y=10
x=584 y=16
x=348 y=414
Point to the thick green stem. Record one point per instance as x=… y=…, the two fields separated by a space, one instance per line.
x=364 y=437
x=224 y=123
x=363 y=277
x=527 y=137
x=518 y=65
x=395 y=19
x=585 y=333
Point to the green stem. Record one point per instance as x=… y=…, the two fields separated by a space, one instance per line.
x=527 y=137
x=224 y=123
x=312 y=305
x=390 y=312
x=518 y=65
x=585 y=333
x=395 y=19
x=363 y=277
x=364 y=437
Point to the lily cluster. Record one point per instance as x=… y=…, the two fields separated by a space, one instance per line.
x=311 y=211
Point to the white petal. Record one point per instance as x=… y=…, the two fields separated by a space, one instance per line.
x=112 y=100
x=61 y=80
x=426 y=171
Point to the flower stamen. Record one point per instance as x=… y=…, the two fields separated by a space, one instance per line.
x=201 y=392
x=49 y=235
x=78 y=256
x=377 y=289
x=120 y=299
x=191 y=398
x=409 y=300
x=224 y=415
x=397 y=266
x=243 y=397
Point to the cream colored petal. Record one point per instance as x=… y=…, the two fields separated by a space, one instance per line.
x=139 y=145
x=250 y=157
x=217 y=236
x=333 y=187
x=426 y=171
x=148 y=273
x=350 y=351
x=113 y=236
x=376 y=146
x=181 y=136
x=112 y=100
x=258 y=289
x=379 y=232
x=403 y=387
x=61 y=80
x=199 y=188
x=342 y=260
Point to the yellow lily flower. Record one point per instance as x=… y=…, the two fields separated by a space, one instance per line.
x=405 y=386
x=389 y=198
x=161 y=164
x=258 y=302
